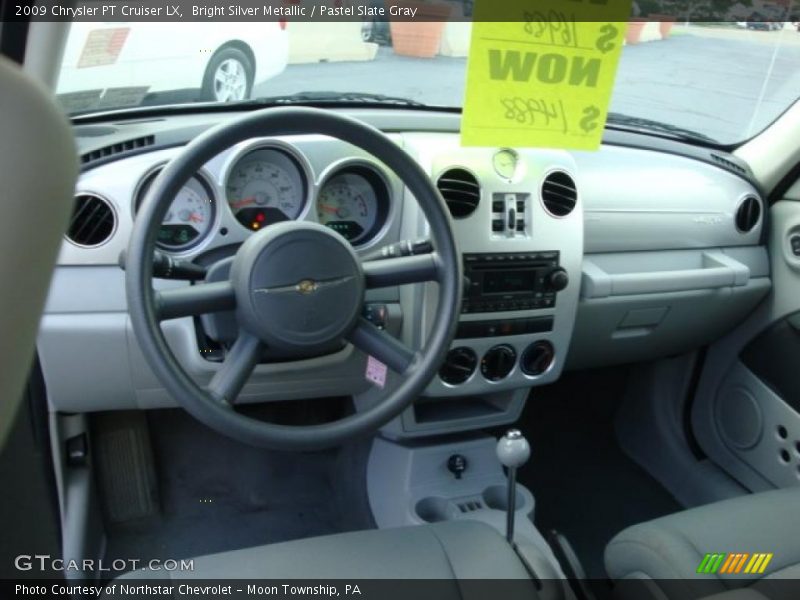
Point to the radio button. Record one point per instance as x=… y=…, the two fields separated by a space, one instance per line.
x=557 y=279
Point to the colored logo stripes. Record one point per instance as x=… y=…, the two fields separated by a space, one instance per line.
x=735 y=562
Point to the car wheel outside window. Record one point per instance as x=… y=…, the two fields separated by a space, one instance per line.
x=228 y=77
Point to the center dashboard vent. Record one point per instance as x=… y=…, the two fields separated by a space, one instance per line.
x=460 y=190
x=93 y=221
x=748 y=214
x=559 y=194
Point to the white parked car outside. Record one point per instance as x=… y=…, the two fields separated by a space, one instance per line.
x=104 y=62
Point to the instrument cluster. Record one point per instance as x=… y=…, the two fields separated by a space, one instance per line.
x=271 y=183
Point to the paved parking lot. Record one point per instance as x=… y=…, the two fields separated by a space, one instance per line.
x=725 y=83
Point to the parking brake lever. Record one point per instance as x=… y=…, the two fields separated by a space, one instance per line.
x=166 y=267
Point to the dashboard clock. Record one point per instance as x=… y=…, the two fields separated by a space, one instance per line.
x=505 y=163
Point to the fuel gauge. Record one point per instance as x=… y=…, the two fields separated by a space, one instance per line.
x=190 y=216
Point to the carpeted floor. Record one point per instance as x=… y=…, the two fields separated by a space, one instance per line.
x=217 y=495
x=585 y=487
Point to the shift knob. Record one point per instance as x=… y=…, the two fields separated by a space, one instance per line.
x=513 y=449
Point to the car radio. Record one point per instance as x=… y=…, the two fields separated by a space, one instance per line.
x=511 y=281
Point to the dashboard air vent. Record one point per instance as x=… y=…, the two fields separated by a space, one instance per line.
x=559 y=194
x=728 y=164
x=748 y=214
x=461 y=191
x=93 y=221
x=117 y=149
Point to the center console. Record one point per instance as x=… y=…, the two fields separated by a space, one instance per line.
x=518 y=221
x=413 y=484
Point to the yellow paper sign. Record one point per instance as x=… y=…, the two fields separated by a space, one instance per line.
x=543 y=75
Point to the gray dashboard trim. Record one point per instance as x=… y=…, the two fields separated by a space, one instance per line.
x=185 y=123
x=631 y=201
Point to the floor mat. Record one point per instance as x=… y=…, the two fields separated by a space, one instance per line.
x=218 y=495
x=585 y=487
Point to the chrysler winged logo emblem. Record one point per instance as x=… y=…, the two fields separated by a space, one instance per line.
x=307 y=286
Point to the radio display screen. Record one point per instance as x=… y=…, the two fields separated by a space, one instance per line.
x=509 y=281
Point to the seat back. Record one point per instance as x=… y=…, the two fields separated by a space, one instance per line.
x=38 y=168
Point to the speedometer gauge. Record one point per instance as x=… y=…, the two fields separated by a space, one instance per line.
x=265 y=186
x=190 y=216
x=354 y=202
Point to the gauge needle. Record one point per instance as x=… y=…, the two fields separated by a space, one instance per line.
x=329 y=209
x=243 y=202
x=195 y=218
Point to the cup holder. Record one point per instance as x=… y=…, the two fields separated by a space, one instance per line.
x=435 y=509
x=496 y=498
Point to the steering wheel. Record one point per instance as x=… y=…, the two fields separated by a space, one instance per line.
x=295 y=287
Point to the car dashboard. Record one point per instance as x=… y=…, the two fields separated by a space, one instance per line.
x=644 y=249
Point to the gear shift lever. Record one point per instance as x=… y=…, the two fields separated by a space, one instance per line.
x=513 y=451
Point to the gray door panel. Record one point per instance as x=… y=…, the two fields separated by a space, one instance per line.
x=746 y=414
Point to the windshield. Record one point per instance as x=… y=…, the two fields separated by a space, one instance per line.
x=724 y=81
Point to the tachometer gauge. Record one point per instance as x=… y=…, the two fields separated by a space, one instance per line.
x=190 y=216
x=264 y=187
x=354 y=202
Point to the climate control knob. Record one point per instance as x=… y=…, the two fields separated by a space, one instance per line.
x=498 y=362
x=537 y=358
x=557 y=279
x=459 y=365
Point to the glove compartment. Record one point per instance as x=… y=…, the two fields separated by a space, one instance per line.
x=645 y=305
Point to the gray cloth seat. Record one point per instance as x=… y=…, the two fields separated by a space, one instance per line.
x=448 y=551
x=660 y=558
x=39 y=161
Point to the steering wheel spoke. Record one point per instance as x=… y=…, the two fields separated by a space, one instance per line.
x=403 y=270
x=236 y=369
x=194 y=300
x=386 y=348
